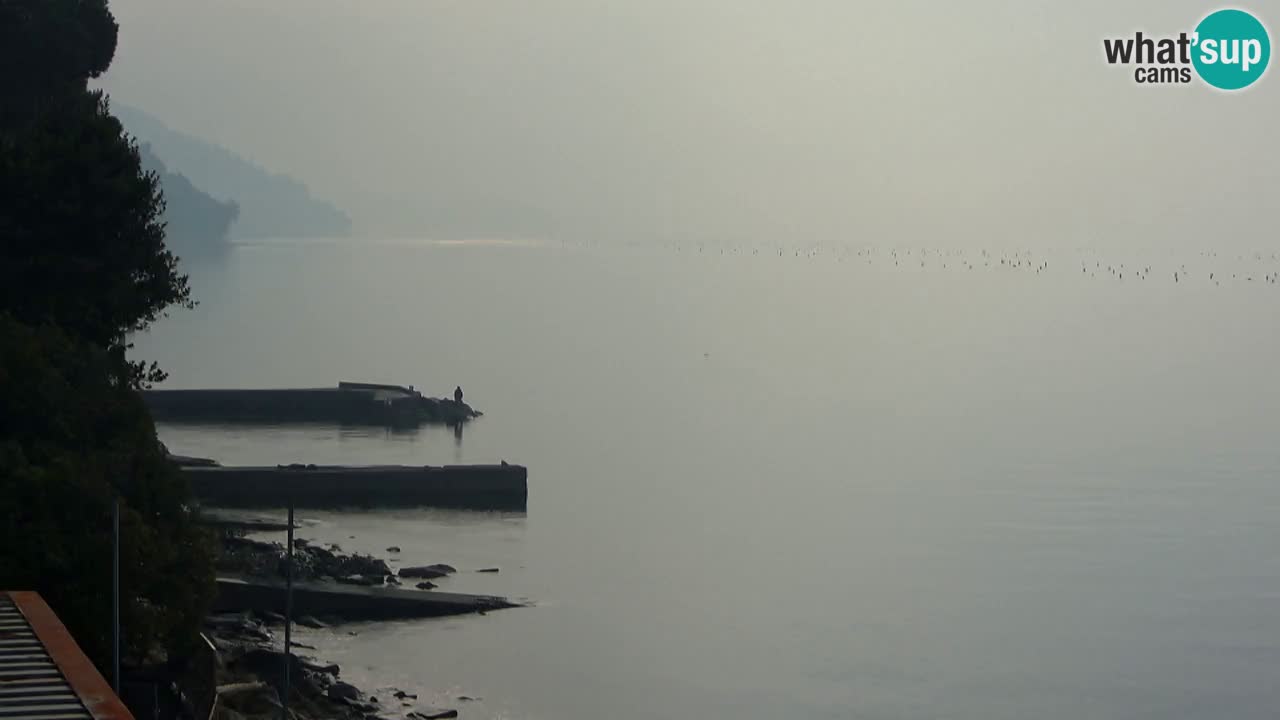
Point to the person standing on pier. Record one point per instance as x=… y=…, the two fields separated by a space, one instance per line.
x=457 y=394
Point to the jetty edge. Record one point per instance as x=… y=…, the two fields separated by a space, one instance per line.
x=347 y=602
x=476 y=487
x=352 y=403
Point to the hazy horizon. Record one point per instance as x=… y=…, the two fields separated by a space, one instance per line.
x=730 y=122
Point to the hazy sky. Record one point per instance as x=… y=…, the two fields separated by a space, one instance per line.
x=737 y=121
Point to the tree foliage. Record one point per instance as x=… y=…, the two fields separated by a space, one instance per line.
x=83 y=263
x=50 y=49
x=73 y=435
x=84 y=242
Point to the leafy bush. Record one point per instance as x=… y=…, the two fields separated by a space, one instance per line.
x=73 y=435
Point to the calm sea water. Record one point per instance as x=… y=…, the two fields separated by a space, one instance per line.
x=794 y=482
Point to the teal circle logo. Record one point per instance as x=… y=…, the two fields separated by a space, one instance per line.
x=1231 y=49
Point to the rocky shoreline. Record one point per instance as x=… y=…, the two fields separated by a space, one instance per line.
x=249 y=645
x=250 y=678
x=245 y=556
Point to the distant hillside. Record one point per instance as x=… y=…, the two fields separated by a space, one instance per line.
x=271 y=205
x=197 y=222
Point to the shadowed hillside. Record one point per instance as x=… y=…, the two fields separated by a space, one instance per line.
x=271 y=205
x=196 y=222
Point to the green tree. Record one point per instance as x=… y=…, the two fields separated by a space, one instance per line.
x=83 y=263
x=83 y=239
x=73 y=435
x=49 y=49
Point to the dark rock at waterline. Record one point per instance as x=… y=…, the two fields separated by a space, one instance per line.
x=310 y=622
x=343 y=691
x=267 y=664
x=241 y=626
x=426 y=586
x=427 y=571
x=487 y=570
x=360 y=710
x=393 y=580
x=432 y=714
x=329 y=669
x=321 y=561
x=250 y=557
x=394 y=548
x=359 y=580
x=421 y=572
x=401 y=695
x=249 y=700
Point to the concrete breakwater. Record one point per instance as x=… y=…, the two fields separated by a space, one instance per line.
x=352 y=403
x=480 y=487
x=348 y=602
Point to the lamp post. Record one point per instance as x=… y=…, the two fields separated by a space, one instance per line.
x=288 y=614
